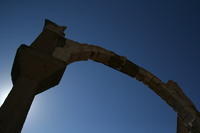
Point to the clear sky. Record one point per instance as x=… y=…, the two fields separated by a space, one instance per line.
x=160 y=35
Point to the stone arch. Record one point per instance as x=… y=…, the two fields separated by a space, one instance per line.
x=170 y=92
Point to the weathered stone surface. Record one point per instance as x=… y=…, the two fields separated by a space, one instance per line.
x=181 y=127
x=48 y=40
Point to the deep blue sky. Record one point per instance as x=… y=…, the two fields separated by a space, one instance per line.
x=162 y=36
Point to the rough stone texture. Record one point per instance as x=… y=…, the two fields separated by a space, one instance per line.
x=51 y=37
x=74 y=51
x=181 y=127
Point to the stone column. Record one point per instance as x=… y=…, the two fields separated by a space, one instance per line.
x=14 y=110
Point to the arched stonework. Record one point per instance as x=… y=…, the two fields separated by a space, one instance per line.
x=41 y=65
x=170 y=92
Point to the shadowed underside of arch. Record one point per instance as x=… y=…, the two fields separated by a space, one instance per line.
x=41 y=65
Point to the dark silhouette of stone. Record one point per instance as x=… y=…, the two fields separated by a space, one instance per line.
x=41 y=65
x=34 y=71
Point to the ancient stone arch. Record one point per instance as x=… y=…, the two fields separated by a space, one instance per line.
x=41 y=65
